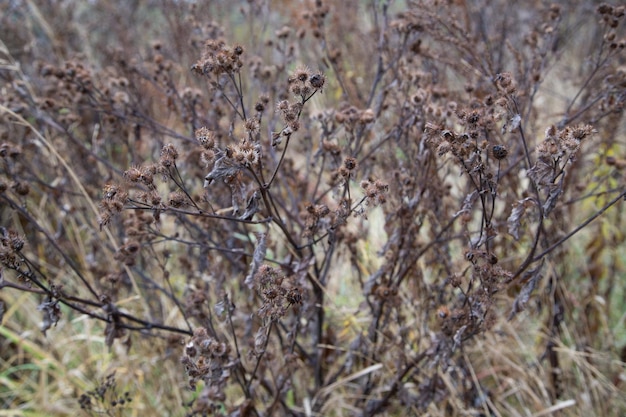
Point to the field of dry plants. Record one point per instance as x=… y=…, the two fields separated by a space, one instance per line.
x=312 y=208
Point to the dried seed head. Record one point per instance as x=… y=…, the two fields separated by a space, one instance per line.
x=147 y=176
x=259 y=107
x=343 y=172
x=110 y=190
x=321 y=210
x=294 y=125
x=252 y=126
x=133 y=174
x=290 y=116
x=605 y=8
x=473 y=117
x=282 y=105
x=499 y=152
x=350 y=163
x=367 y=116
x=375 y=191
x=177 y=199
x=504 y=81
x=317 y=81
x=419 y=97
x=283 y=32
x=169 y=154
x=206 y=138
x=207 y=157
x=302 y=74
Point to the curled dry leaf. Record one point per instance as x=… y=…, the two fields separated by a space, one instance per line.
x=514 y=220
x=51 y=313
x=223 y=167
x=257 y=258
x=533 y=276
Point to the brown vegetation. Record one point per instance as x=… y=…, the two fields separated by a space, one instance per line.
x=312 y=208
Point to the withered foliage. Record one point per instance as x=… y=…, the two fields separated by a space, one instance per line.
x=428 y=171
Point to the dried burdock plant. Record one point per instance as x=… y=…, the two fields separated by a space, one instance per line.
x=315 y=208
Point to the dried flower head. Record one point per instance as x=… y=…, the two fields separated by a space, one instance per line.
x=261 y=104
x=375 y=191
x=367 y=116
x=132 y=174
x=205 y=137
x=317 y=80
x=350 y=163
x=499 y=152
x=252 y=126
x=283 y=32
x=218 y=59
x=177 y=199
x=169 y=154
x=301 y=74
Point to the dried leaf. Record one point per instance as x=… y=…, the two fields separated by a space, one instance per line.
x=514 y=220
x=542 y=172
x=112 y=331
x=515 y=122
x=51 y=313
x=237 y=194
x=260 y=340
x=222 y=168
x=257 y=258
x=252 y=206
x=522 y=298
x=128 y=342
x=553 y=196
x=511 y=124
x=468 y=203
x=223 y=305
x=458 y=337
